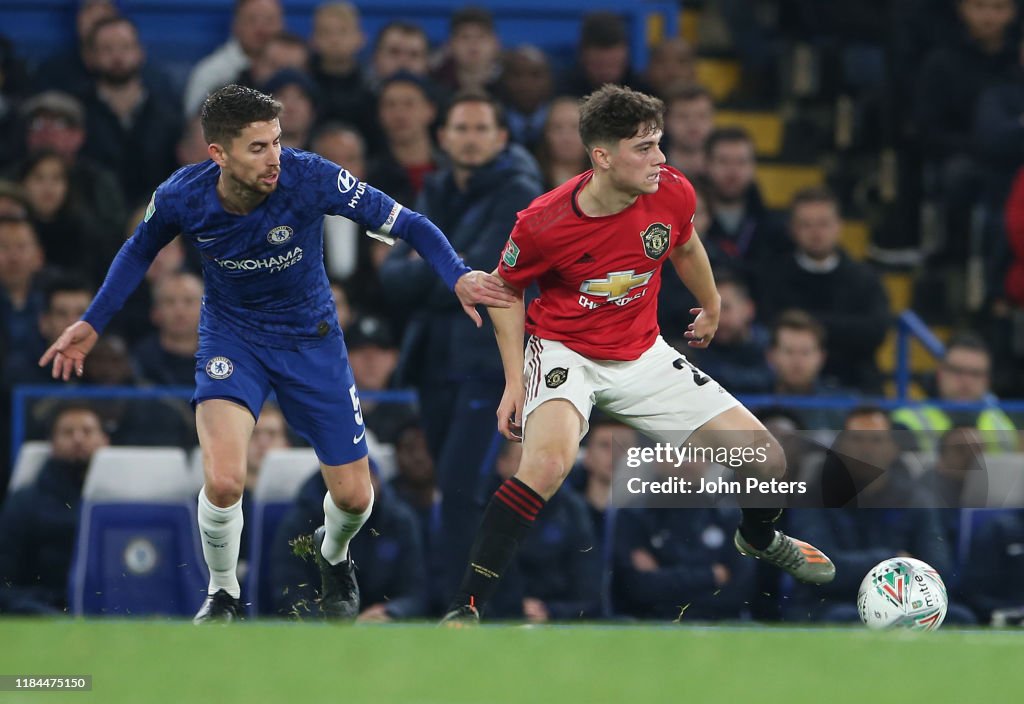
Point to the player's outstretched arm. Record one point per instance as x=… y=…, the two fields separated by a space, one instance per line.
x=509 y=327
x=693 y=267
x=480 y=288
x=69 y=351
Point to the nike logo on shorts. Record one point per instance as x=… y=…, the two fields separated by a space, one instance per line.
x=205 y=239
x=357 y=438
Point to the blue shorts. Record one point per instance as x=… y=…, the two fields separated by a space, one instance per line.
x=314 y=386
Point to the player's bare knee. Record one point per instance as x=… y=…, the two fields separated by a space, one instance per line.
x=774 y=464
x=544 y=470
x=224 y=489
x=355 y=498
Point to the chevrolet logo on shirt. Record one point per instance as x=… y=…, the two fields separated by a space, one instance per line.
x=616 y=285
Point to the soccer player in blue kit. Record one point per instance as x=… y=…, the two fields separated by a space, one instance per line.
x=255 y=213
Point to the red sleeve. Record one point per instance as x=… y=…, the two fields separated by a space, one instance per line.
x=687 y=204
x=521 y=262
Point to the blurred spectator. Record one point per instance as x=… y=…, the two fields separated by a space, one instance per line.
x=605 y=445
x=964 y=375
x=283 y=51
x=406 y=110
x=342 y=305
x=679 y=564
x=736 y=360
x=526 y=89
x=66 y=298
x=13 y=203
x=820 y=278
x=603 y=57
x=400 y=46
x=951 y=79
x=38 y=522
x=414 y=481
x=867 y=472
x=297 y=93
x=796 y=356
x=255 y=22
x=960 y=451
x=130 y=126
x=167 y=358
x=994 y=573
x=69 y=235
x=689 y=121
x=56 y=122
x=671 y=66
x=389 y=552
x=21 y=290
x=345 y=93
x=192 y=147
x=453 y=364
x=743 y=233
x=561 y=153
x=472 y=60
x=71 y=71
x=558 y=565
x=344 y=244
x=373 y=356
x=13 y=85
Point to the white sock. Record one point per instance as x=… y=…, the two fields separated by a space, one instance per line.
x=339 y=528
x=221 y=533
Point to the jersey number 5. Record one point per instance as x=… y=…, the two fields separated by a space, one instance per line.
x=355 y=405
x=699 y=378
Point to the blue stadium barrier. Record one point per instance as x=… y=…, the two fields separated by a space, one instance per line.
x=183 y=31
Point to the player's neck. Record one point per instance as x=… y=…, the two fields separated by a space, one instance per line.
x=235 y=198
x=599 y=197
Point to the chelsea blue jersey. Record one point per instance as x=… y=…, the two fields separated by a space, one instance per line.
x=264 y=271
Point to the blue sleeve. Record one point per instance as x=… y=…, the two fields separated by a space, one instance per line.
x=158 y=227
x=343 y=194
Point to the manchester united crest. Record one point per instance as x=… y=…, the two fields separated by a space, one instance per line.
x=656 y=238
x=556 y=377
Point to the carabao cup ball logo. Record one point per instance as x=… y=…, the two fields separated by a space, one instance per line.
x=219 y=368
x=279 y=235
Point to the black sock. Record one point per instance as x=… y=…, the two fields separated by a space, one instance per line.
x=758 y=526
x=508 y=517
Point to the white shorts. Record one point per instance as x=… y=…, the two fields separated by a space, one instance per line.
x=659 y=394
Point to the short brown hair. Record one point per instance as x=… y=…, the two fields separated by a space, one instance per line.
x=814 y=194
x=613 y=112
x=800 y=321
x=229 y=110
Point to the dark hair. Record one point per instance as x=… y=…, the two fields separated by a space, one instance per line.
x=603 y=30
x=71 y=406
x=967 y=340
x=229 y=110
x=65 y=283
x=688 y=93
x=730 y=277
x=37 y=157
x=613 y=112
x=402 y=27
x=90 y=38
x=813 y=194
x=476 y=96
x=801 y=321
x=479 y=16
x=728 y=134
x=289 y=38
x=337 y=127
x=866 y=409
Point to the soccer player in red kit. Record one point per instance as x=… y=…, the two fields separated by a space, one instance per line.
x=596 y=245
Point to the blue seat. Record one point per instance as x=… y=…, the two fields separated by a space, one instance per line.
x=282 y=474
x=137 y=552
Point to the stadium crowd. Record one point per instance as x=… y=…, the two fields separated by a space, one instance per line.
x=87 y=135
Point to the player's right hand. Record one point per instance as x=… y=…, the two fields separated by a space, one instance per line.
x=479 y=287
x=510 y=413
x=68 y=352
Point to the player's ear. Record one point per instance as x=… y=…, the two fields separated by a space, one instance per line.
x=217 y=153
x=600 y=157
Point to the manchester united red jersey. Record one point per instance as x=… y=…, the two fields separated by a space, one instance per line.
x=599 y=276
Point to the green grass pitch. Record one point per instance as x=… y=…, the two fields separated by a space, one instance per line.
x=258 y=663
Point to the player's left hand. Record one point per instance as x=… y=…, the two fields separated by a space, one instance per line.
x=702 y=329
x=478 y=287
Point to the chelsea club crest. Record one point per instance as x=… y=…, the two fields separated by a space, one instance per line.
x=219 y=368
x=279 y=235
